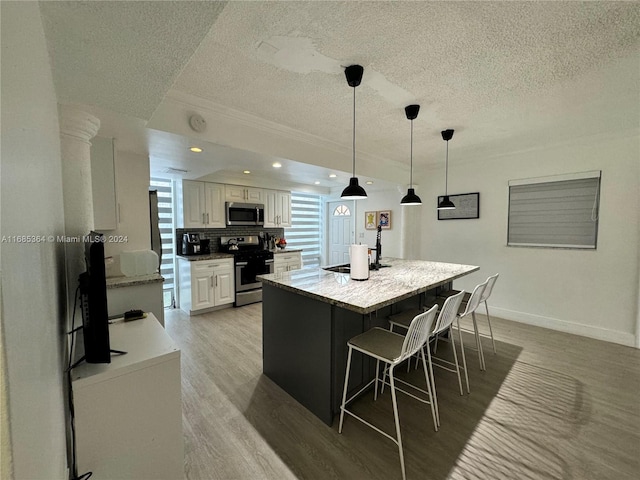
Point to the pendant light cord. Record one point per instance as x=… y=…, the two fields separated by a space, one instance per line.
x=354 y=131
x=411 y=168
x=446 y=171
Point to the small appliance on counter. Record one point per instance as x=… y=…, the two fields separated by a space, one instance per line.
x=205 y=247
x=359 y=257
x=190 y=243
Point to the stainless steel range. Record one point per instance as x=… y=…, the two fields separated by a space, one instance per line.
x=250 y=259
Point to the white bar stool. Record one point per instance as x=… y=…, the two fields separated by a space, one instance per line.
x=391 y=349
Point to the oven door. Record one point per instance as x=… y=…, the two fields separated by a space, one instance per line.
x=246 y=273
x=244 y=213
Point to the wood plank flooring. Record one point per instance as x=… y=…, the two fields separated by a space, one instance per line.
x=550 y=406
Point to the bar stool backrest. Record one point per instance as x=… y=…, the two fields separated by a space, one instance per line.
x=448 y=313
x=491 y=281
x=475 y=299
x=418 y=333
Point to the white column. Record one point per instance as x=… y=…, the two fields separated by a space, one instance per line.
x=76 y=129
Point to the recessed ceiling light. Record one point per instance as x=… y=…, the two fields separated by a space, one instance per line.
x=247 y=172
x=333 y=175
x=276 y=165
x=316 y=183
x=196 y=149
x=369 y=182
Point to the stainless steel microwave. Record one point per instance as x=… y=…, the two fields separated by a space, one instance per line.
x=244 y=213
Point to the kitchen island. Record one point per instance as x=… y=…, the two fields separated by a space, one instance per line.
x=309 y=315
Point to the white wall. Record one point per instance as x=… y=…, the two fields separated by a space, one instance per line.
x=132 y=192
x=591 y=293
x=33 y=280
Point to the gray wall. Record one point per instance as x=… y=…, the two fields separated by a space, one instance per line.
x=33 y=291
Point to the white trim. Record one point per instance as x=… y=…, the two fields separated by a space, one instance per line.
x=550 y=245
x=556 y=178
x=622 y=338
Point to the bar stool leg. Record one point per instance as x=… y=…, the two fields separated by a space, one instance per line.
x=455 y=357
x=431 y=387
x=397 y=420
x=344 y=391
x=375 y=391
x=493 y=342
x=464 y=357
x=478 y=342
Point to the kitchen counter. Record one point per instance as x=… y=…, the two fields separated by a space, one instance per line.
x=308 y=316
x=122 y=281
x=206 y=256
x=286 y=250
x=402 y=279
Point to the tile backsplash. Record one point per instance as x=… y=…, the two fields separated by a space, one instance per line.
x=214 y=234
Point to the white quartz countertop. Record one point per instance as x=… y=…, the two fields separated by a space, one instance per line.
x=402 y=279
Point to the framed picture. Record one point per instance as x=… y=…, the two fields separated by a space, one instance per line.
x=467 y=206
x=370 y=220
x=384 y=219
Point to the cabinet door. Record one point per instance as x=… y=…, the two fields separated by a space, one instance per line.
x=284 y=209
x=202 y=286
x=234 y=193
x=270 y=213
x=280 y=267
x=193 y=204
x=214 y=211
x=224 y=291
x=254 y=195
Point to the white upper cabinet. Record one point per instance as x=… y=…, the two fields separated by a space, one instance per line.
x=277 y=208
x=103 y=183
x=202 y=205
x=241 y=194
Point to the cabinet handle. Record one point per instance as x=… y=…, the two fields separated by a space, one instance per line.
x=207 y=218
x=211 y=281
x=216 y=280
x=203 y=219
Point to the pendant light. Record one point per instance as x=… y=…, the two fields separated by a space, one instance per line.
x=446 y=204
x=353 y=190
x=411 y=198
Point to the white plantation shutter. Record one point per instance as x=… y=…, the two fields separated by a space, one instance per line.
x=560 y=211
x=165 y=223
x=305 y=231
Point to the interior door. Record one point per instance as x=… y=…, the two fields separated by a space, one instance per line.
x=341 y=230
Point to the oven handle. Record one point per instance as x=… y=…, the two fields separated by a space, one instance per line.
x=269 y=261
x=242 y=264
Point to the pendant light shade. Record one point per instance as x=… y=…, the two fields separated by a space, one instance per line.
x=411 y=198
x=353 y=190
x=446 y=204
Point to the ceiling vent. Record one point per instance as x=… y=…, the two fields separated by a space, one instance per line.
x=176 y=171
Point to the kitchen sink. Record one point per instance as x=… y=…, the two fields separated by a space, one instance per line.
x=338 y=268
x=347 y=269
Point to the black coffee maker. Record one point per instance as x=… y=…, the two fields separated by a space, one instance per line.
x=190 y=243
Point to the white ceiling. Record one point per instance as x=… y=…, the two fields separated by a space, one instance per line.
x=268 y=79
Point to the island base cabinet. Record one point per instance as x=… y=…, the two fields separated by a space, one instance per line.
x=304 y=349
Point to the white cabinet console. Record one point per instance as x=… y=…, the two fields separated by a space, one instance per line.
x=128 y=413
x=205 y=285
x=286 y=261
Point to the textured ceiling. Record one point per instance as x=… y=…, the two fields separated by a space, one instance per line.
x=508 y=74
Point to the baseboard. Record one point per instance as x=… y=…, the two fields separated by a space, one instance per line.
x=622 y=338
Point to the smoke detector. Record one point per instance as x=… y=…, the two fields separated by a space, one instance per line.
x=197 y=123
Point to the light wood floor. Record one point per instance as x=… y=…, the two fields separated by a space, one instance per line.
x=550 y=406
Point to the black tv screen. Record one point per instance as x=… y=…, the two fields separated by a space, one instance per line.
x=93 y=290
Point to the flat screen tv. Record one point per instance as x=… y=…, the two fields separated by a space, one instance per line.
x=93 y=291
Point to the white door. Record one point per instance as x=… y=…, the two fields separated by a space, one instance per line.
x=224 y=285
x=214 y=195
x=202 y=287
x=193 y=204
x=341 y=231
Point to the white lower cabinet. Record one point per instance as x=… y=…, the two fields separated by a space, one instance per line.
x=205 y=284
x=285 y=262
x=128 y=413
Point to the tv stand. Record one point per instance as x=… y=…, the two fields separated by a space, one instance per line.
x=128 y=413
